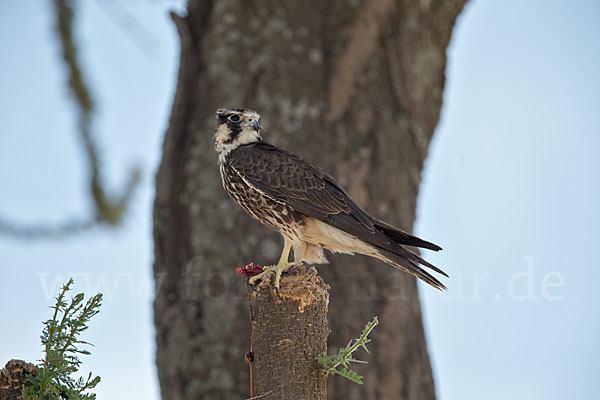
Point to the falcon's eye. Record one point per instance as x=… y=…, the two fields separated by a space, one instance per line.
x=235 y=118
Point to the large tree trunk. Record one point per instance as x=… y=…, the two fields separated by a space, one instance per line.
x=355 y=86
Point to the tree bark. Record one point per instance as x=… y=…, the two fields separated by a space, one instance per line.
x=289 y=330
x=355 y=86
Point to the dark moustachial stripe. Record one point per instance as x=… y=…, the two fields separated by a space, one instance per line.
x=234 y=128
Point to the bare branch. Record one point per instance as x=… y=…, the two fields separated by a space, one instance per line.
x=109 y=209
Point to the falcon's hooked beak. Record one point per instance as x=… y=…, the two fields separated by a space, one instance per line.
x=255 y=125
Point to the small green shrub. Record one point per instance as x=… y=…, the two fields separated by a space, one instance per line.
x=344 y=356
x=61 y=342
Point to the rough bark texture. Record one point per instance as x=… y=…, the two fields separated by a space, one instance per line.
x=290 y=330
x=13 y=378
x=355 y=86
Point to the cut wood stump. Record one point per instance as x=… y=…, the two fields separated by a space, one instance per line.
x=289 y=330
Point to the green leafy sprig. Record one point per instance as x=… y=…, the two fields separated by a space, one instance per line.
x=60 y=339
x=344 y=356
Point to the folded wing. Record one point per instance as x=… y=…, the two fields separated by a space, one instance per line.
x=306 y=188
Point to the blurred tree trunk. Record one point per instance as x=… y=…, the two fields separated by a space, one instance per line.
x=355 y=86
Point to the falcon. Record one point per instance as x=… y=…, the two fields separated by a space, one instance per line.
x=305 y=204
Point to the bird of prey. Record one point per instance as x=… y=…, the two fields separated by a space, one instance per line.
x=304 y=204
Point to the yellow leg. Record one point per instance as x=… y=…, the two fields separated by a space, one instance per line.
x=280 y=268
x=285 y=253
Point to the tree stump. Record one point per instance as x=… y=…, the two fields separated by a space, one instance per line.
x=289 y=330
x=13 y=379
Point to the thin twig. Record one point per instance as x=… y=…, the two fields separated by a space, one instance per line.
x=261 y=395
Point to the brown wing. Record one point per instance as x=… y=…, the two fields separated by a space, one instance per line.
x=306 y=188
x=303 y=186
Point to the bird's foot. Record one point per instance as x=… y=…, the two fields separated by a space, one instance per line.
x=269 y=270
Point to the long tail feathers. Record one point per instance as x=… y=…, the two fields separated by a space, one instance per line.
x=408 y=261
x=401 y=237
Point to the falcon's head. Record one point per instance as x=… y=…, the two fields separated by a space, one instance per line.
x=236 y=127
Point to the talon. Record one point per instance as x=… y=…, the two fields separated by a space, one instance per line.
x=255 y=278
x=279 y=268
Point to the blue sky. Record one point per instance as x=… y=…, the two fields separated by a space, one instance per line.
x=510 y=191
